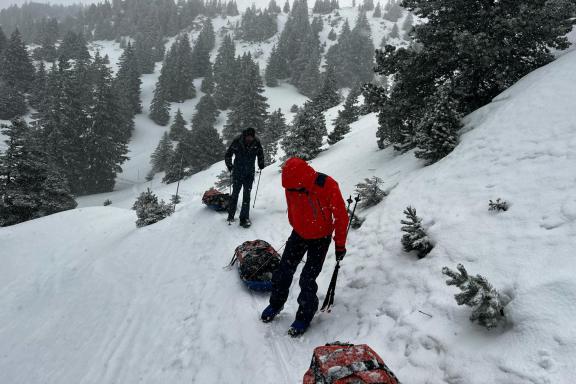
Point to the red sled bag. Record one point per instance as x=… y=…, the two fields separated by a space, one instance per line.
x=339 y=363
x=216 y=200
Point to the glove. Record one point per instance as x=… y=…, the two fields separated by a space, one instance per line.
x=340 y=253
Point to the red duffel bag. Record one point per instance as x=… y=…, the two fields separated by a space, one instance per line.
x=339 y=363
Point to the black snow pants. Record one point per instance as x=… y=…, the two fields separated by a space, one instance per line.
x=238 y=183
x=296 y=247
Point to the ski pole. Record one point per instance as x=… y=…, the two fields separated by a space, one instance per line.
x=329 y=299
x=356 y=199
x=257 y=186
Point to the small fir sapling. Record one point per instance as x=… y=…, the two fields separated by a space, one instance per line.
x=477 y=293
x=149 y=210
x=370 y=192
x=224 y=180
x=107 y=202
x=415 y=238
x=498 y=205
x=332 y=36
x=294 y=108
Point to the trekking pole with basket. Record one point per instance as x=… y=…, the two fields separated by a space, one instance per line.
x=257 y=186
x=329 y=299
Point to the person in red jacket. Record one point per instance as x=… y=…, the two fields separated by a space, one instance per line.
x=316 y=210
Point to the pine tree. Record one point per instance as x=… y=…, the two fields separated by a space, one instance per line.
x=127 y=83
x=286 y=8
x=437 y=133
x=271 y=75
x=273 y=7
x=66 y=120
x=201 y=53
x=338 y=55
x=341 y=127
x=361 y=52
x=408 y=23
x=317 y=26
x=160 y=107
x=49 y=37
x=304 y=136
x=477 y=293
x=394 y=12
x=149 y=210
x=29 y=187
x=38 y=89
x=162 y=154
x=12 y=102
x=352 y=57
x=249 y=106
x=377 y=11
x=103 y=146
x=477 y=76
x=368 y=5
x=177 y=74
x=178 y=128
x=3 y=41
x=225 y=71
x=205 y=141
x=295 y=40
x=73 y=46
x=395 y=32
x=175 y=169
x=346 y=116
x=415 y=237
x=55 y=194
x=144 y=54
x=328 y=95
x=351 y=111
x=275 y=129
x=208 y=82
x=332 y=36
x=370 y=192
x=16 y=69
x=305 y=68
x=257 y=25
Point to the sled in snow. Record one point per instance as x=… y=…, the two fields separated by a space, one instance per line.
x=339 y=363
x=216 y=200
x=257 y=262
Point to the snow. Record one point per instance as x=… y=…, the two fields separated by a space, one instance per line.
x=93 y=299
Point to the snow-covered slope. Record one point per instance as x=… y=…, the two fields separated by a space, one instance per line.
x=86 y=297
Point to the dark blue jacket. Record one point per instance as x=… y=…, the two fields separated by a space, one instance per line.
x=244 y=157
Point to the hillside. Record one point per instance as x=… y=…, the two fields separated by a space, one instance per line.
x=93 y=299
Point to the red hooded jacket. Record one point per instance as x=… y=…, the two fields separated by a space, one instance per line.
x=316 y=208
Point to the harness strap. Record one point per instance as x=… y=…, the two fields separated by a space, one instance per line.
x=321 y=179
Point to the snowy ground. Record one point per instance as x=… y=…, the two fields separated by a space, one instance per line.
x=93 y=299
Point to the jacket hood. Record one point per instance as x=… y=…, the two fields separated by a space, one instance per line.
x=296 y=173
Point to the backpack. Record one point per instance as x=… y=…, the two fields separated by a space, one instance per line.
x=216 y=200
x=339 y=363
x=257 y=261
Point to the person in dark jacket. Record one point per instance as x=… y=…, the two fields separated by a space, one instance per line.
x=245 y=149
x=316 y=210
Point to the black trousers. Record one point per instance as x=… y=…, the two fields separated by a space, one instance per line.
x=296 y=247
x=237 y=184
